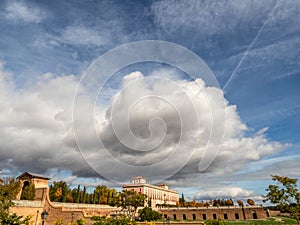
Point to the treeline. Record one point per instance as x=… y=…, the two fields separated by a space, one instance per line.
x=61 y=192
x=213 y=202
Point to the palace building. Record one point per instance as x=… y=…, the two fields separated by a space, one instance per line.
x=157 y=196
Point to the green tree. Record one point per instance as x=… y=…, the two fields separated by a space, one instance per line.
x=110 y=221
x=215 y=222
x=78 y=194
x=182 y=200
x=64 y=192
x=130 y=201
x=59 y=222
x=285 y=194
x=80 y=221
x=84 y=195
x=94 y=197
x=28 y=192
x=147 y=214
x=14 y=219
x=102 y=194
x=8 y=192
x=59 y=191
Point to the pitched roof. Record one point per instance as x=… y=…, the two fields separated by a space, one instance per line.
x=33 y=175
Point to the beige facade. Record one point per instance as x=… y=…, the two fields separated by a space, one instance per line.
x=213 y=213
x=70 y=212
x=39 y=181
x=156 y=195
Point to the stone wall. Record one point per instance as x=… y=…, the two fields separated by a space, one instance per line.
x=56 y=210
x=210 y=213
x=73 y=211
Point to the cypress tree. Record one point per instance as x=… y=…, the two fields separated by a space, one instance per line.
x=84 y=195
x=78 y=194
x=64 y=192
x=108 y=197
x=94 y=197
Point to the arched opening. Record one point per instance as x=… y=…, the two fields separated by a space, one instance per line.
x=25 y=184
x=254 y=214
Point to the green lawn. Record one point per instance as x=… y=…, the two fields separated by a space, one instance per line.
x=273 y=220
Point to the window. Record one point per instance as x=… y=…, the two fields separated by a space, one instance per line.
x=204 y=216
x=237 y=216
x=165 y=216
x=184 y=216
x=254 y=215
x=194 y=216
x=225 y=216
x=214 y=216
x=174 y=216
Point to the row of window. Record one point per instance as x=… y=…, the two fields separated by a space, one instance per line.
x=225 y=216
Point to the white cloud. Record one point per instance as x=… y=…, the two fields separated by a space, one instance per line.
x=21 y=11
x=224 y=193
x=174 y=136
x=82 y=35
x=36 y=128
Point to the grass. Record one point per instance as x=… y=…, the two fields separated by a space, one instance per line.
x=272 y=220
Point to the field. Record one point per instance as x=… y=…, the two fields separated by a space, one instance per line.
x=273 y=220
x=269 y=221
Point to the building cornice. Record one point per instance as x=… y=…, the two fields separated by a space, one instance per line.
x=150 y=186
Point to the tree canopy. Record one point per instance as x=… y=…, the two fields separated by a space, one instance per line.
x=147 y=214
x=8 y=192
x=285 y=195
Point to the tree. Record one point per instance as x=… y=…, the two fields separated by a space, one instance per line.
x=240 y=202
x=182 y=200
x=78 y=194
x=130 y=201
x=28 y=192
x=147 y=214
x=250 y=201
x=285 y=194
x=8 y=192
x=111 y=221
x=14 y=219
x=59 y=191
x=84 y=194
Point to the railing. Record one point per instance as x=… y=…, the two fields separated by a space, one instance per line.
x=213 y=207
x=81 y=205
x=28 y=203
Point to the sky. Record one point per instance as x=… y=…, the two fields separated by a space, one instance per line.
x=201 y=95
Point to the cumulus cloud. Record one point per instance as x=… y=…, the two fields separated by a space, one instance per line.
x=168 y=125
x=154 y=126
x=34 y=125
x=24 y=12
x=225 y=192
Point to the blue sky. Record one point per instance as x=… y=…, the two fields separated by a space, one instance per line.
x=252 y=47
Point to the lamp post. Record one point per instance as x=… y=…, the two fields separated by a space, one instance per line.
x=37 y=216
x=72 y=218
x=44 y=216
x=168 y=221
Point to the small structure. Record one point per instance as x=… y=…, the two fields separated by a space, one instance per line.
x=156 y=195
x=212 y=213
x=40 y=182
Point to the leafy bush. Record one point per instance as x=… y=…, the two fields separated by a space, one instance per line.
x=110 y=221
x=147 y=214
x=215 y=222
